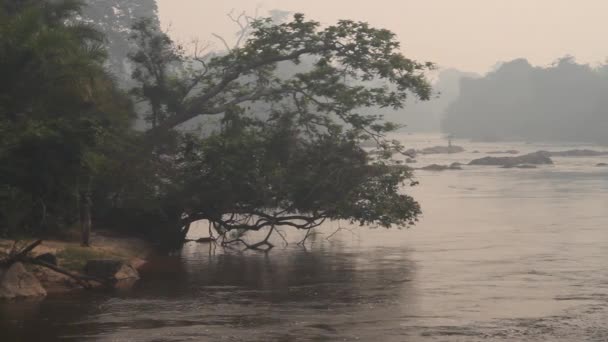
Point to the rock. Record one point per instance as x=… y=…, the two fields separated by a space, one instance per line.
x=48 y=258
x=434 y=167
x=577 y=153
x=442 y=150
x=410 y=161
x=536 y=158
x=504 y=152
x=455 y=166
x=55 y=283
x=411 y=153
x=522 y=166
x=601 y=164
x=17 y=282
x=437 y=167
x=137 y=263
x=476 y=151
x=123 y=275
x=126 y=277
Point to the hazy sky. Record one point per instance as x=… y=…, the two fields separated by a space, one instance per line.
x=471 y=35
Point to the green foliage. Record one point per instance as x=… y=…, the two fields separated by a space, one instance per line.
x=75 y=258
x=292 y=103
x=287 y=150
x=60 y=114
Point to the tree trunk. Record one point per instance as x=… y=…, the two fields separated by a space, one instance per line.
x=85 y=216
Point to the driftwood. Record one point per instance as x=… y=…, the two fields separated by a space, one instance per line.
x=16 y=256
x=22 y=256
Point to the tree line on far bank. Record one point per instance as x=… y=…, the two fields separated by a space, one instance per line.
x=563 y=102
x=284 y=150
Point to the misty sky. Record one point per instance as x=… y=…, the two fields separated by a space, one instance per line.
x=471 y=35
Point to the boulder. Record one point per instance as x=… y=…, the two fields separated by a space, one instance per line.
x=126 y=277
x=53 y=282
x=48 y=258
x=601 y=164
x=137 y=263
x=442 y=150
x=536 y=158
x=17 y=282
x=121 y=274
x=410 y=161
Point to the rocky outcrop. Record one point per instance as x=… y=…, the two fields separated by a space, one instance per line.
x=577 y=153
x=442 y=150
x=536 y=158
x=17 y=282
x=436 y=167
x=455 y=166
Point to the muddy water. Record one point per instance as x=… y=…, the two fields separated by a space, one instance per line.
x=499 y=255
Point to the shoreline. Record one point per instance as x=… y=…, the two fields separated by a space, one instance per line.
x=71 y=256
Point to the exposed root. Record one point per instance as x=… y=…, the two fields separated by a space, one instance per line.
x=338 y=230
x=259 y=246
x=301 y=243
x=280 y=233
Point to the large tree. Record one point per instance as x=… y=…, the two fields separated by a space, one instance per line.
x=287 y=150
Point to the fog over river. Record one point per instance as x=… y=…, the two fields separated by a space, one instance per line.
x=499 y=255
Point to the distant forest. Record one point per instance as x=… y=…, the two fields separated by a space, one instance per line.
x=566 y=101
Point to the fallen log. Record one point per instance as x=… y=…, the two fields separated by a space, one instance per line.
x=22 y=256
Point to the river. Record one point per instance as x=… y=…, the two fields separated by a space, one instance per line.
x=499 y=255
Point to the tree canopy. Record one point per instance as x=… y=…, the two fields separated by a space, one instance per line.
x=292 y=101
x=288 y=149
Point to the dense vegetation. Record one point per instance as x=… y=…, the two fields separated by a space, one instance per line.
x=61 y=116
x=284 y=151
x=563 y=102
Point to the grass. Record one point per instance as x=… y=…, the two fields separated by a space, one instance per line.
x=74 y=258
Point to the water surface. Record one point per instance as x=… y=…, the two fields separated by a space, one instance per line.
x=499 y=255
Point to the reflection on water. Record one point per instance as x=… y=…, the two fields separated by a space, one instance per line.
x=500 y=255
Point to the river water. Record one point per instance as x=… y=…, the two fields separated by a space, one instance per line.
x=499 y=255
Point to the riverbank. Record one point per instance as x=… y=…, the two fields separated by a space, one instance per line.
x=71 y=256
